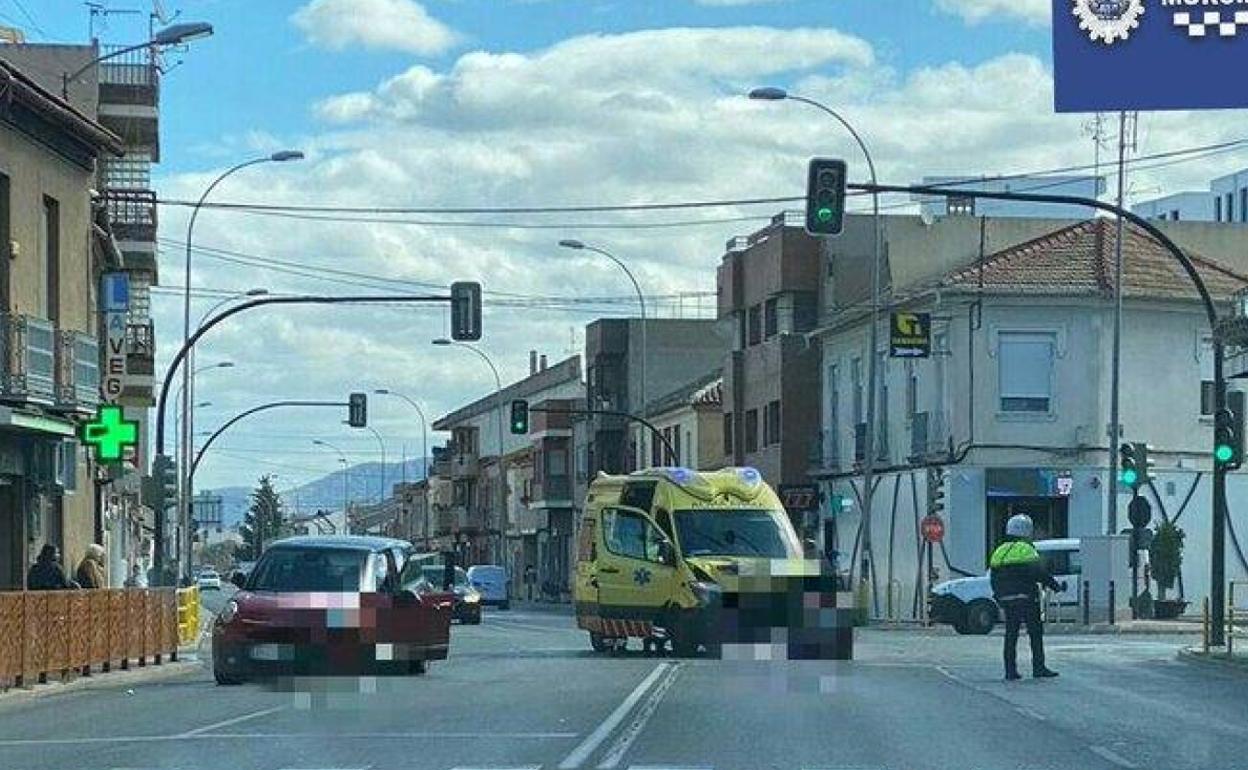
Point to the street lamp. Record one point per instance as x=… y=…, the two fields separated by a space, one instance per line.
x=498 y=413
x=277 y=157
x=640 y=301
x=380 y=442
x=177 y=398
x=424 y=425
x=346 y=472
x=772 y=94
x=175 y=34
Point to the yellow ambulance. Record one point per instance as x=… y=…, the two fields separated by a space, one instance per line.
x=699 y=559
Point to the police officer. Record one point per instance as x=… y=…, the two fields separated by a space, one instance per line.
x=1016 y=573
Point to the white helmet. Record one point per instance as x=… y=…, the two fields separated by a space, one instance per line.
x=1019 y=526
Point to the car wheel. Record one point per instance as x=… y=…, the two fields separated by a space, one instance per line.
x=959 y=625
x=599 y=642
x=225 y=681
x=981 y=616
x=419 y=666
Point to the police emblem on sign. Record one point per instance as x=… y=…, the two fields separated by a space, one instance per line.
x=1108 y=20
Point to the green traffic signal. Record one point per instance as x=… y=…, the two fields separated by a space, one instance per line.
x=1223 y=453
x=825 y=214
x=1130 y=476
x=520 y=417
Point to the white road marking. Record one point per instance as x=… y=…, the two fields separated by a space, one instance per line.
x=634 y=729
x=228 y=722
x=1111 y=756
x=477 y=736
x=603 y=731
x=523 y=767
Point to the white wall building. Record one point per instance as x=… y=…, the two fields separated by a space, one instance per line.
x=1226 y=201
x=1013 y=407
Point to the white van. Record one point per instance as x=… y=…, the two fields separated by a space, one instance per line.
x=491 y=582
x=967 y=603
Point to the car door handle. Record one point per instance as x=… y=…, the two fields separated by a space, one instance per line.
x=609 y=570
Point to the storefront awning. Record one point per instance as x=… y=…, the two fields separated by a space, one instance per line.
x=35 y=423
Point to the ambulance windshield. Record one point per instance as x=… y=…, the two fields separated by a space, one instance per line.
x=747 y=532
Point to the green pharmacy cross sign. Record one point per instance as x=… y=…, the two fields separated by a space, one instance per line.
x=110 y=434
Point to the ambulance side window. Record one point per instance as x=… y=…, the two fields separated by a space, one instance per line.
x=628 y=534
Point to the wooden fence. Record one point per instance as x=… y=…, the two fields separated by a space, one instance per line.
x=46 y=633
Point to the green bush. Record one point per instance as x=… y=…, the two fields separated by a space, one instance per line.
x=1166 y=556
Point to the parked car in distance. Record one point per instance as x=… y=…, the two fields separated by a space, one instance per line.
x=208 y=580
x=491 y=582
x=467 y=608
x=967 y=603
x=331 y=605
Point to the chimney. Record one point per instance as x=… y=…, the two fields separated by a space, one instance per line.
x=532 y=362
x=542 y=365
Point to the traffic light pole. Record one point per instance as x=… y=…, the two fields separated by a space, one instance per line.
x=1217 y=557
x=180 y=359
x=658 y=436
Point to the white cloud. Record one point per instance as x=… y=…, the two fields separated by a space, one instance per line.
x=400 y=25
x=644 y=116
x=1033 y=12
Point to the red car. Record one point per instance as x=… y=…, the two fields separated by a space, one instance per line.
x=332 y=605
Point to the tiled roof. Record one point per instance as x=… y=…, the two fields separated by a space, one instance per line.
x=1079 y=260
x=707 y=390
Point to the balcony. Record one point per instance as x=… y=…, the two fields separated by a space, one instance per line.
x=30 y=346
x=78 y=372
x=463 y=465
x=141 y=349
x=555 y=491
x=132 y=214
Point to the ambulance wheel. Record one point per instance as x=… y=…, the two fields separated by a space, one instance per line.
x=684 y=640
x=599 y=642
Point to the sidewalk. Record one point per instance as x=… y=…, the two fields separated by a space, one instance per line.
x=1216 y=657
x=555 y=608
x=1140 y=627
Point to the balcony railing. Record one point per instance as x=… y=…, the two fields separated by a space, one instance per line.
x=132 y=213
x=140 y=349
x=31 y=349
x=78 y=371
x=134 y=68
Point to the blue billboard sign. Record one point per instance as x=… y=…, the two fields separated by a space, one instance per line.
x=115 y=292
x=1113 y=55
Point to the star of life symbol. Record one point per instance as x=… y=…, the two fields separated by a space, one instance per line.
x=1109 y=20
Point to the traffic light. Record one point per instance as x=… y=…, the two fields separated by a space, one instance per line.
x=1228 y=433
x=357 y=410
x=520 y=417
x=465 y=311
x=1135 y=467
x=825 y=197
x=935 y=491
x=161 y=489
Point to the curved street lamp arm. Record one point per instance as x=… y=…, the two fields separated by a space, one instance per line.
x=242 y=415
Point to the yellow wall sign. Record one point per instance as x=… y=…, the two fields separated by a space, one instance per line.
x=910 y=335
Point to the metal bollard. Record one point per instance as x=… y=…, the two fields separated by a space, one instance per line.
x=1087 y=603
x=1112 y=606
x=1230 y=619
x=1204 y=624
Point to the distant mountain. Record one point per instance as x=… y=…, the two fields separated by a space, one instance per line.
x=363 y=485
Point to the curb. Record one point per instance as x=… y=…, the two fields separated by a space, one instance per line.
x=549 y=608
x=1050 y=629
x=99 y=681
x=1215 y=660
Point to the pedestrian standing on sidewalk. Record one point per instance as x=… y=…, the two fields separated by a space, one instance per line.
x=530 y=578
x=46 y=573
x=136 y=579
x=90 y=572
x=1017 y=573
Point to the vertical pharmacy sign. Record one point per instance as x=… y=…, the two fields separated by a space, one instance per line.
x=115 y=303
x=1140 y=55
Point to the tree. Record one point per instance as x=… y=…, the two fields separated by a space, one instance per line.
x=220 y=555
x=263 y=521
x=1166 y=556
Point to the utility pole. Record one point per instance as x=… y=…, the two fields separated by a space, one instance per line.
x=1115 y=432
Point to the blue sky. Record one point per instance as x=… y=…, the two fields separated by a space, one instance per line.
x=437 y=103
x=262 y=74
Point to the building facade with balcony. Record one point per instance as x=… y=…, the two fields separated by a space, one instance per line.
x=556 y=495
x=1010 y=413
x=51 y=257
x=676 y=351
x=123 y=95
x=477 y=516
x=768 y=284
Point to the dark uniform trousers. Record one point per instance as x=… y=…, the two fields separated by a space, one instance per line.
x=1017 y=613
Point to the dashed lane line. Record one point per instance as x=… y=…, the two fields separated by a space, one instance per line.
x=229 y=722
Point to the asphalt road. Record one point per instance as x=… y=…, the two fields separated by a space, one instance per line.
x=524 y=691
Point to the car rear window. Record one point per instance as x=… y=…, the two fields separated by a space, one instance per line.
x=297 y=570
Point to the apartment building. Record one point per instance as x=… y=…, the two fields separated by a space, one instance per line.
x=691 y=421
x=676 y=351
x=122 y=95
x=52 y=252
